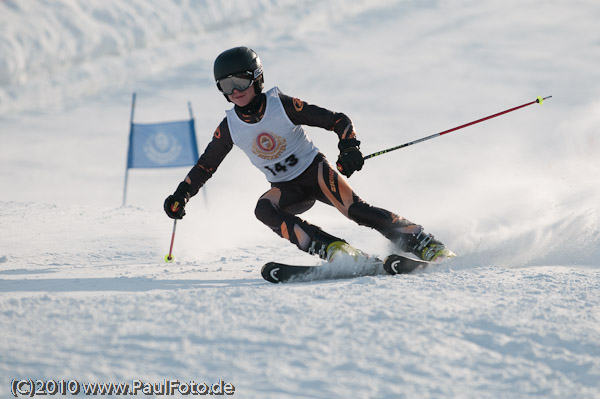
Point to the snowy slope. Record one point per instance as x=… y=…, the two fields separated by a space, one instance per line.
x=84 y=291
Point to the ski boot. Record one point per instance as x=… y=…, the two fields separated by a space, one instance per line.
x=424 y=246
x=431 y=250
x=328 y=247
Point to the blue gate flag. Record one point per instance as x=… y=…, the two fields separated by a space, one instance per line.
x=161 y=145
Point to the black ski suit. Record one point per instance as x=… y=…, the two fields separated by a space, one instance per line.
x=278 y=207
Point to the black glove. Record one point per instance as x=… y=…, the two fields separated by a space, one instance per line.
x=175 y=204
x=350 y=159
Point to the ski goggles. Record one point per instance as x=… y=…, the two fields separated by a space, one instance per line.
x=236 y=82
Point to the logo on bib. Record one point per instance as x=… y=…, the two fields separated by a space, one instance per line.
x=268 y=145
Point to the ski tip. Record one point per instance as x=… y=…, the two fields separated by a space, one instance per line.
x=398 y=264
x=270 y=272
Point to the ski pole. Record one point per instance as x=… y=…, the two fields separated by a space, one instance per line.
x=539 y=100
x=169 y=257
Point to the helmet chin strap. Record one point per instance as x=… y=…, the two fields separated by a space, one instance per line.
x=259 y=84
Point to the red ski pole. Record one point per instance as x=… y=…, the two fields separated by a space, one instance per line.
x=539 y=100
x=169 y=257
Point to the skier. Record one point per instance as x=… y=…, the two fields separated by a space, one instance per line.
x=268 y=128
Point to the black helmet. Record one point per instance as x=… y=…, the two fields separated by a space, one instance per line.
x=239 y=60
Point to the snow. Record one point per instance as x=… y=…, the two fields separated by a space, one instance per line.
x=86 y=295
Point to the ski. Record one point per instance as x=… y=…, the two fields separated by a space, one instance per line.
x=277 y=272
x=399 y=264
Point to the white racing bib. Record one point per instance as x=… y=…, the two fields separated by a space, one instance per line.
x=280 y=149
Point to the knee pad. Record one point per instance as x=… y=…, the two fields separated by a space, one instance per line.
x=266 y=212
x=370 y=216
